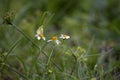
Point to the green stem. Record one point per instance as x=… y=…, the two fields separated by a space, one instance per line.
x=63 y=41
x=16 y=71
x=19 y=30
x=50 y=55
x=53 y=62
x=42 y=18
x=5 y=59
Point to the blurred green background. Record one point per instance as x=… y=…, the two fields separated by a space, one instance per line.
x=92 y=24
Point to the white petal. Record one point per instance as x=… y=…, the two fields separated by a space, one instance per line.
x=67 y=37
x=38 y=38
x=49 y=40
x=36 y=35
x=44 y=38
x=61 y=37
x=57 y=42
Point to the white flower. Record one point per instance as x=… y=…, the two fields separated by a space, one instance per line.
x=40 y=34
x=54 y=39
x=64 y=36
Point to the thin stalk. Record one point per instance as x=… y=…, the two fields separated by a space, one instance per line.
x=52 y=61
x=50 y=55
x=67 y=74
x=5 y=59
x=74 y=67
x=13 y=46
x=16 y=71
x=25 y=35
x=43 y=17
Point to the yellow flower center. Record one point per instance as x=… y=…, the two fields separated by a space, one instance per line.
x=41 y=35
x=64 y=35
x=54 y=38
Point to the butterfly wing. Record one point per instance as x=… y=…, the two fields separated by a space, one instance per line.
x=40 y=30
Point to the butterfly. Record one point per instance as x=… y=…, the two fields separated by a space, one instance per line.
x=40 y=30
x=40 y=34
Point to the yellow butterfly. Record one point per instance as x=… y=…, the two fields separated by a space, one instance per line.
x=40 y=30
x=40 y=34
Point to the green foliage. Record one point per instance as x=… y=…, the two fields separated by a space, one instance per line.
x=31 y=52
